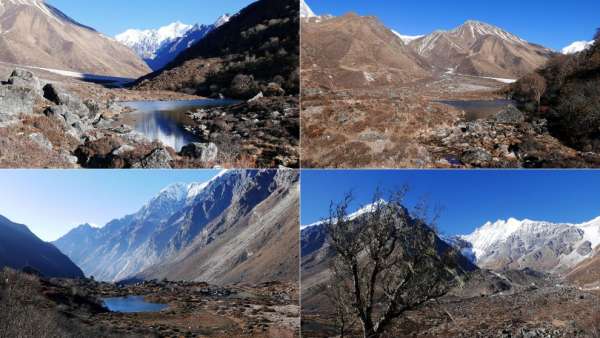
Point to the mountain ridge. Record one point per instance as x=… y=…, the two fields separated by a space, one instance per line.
x=185 y=221
x=21 y=248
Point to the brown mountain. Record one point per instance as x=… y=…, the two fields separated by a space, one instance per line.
x=353 y=51
x=477 y=48
x=34 y=33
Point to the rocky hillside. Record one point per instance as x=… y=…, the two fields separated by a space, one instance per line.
x=353 y=52
x=541 y=246
x=20 y=248
x=237 y=227
x=477 y=48
x=35 y=33
x=566 y=93
x=256 y=51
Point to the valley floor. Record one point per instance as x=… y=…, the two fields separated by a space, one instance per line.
x=534 y=309
x=407 y=126
x=72 y=308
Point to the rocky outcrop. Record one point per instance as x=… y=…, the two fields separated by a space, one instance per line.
x=507 y=140
x=265 y=130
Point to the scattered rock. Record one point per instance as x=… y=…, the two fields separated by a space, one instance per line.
x=476 y=157
x=59 y=96
x=41 y=140
x=158 y=159
x=205 y=152
x=243 y=86
x=16 y=100
x=123 y=149
x=510 y=115
x=22 y=78
x=257 y=97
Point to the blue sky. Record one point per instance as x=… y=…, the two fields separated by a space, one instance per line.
x=112 y=17
x=554 y=24
x=51 y=202
x=469 y=198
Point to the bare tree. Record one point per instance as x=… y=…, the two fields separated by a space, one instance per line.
x=386 y=262
x=534 y=86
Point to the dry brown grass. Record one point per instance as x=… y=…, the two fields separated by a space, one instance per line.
x=17 y=150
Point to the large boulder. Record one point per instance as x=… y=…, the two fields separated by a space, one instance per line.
x=158 y=159
x=205 y=152
x=243 y=87
x=16 y=100
x=22 y=78
x=61 y=97
x=510 y=115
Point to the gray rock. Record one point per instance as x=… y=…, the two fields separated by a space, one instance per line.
x=61 y=97
x=243 y=86
x=16 y=100
x=123 y=149
x=41 y=140
x=585 y=248
x=22 y=78
x=158 y=159
x=476 y=157
x=510 y=115
x=206 y=152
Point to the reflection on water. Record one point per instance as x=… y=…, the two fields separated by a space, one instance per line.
x=479 y=109
x=164 y=120
x=132 y=304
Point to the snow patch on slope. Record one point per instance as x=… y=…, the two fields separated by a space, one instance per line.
x=407 y=38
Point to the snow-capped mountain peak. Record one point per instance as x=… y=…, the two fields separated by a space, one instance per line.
x=305 y=10
x=577 y=46
x=537 y=244
x=491 y=233
x=146 y=42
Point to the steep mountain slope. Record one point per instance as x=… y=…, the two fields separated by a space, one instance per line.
x=34 y=33
x=237 y=227
x=354 y=52
x=158 y=47
x=257 y=47
x=254 y=239
x=541 y=246
x=477 y=48
x=20 y=248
